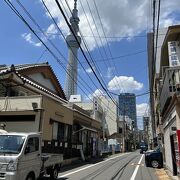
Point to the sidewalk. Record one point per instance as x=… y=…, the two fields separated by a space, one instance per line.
x=171 y=176
x=164 y=174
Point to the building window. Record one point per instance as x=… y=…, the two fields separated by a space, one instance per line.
x=173 y=49
x=173 y=58
x=61 y=131
x=65 y=132
x=174 y=63
x=55 y=130
x=172 y=43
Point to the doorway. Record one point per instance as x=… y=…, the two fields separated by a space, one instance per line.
x=173 y=154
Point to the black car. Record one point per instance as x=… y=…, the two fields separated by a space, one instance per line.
x=154 y=158
x=143 y=148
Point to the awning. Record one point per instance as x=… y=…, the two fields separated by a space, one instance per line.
x=87 y=128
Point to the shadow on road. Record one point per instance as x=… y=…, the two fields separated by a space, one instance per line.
x=76 y=164
x=80 y=163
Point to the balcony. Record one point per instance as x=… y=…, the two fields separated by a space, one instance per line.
x=20 y=103
x=170 y=86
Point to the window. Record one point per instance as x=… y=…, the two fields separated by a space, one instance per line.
x=11 y=144
x=172 y=43
x=33 y=144
x=174 y=63
x=60 y=131
x=173 y=58
x=120 y=130
x=55 y=130
x=66 y=132
x=173 y=49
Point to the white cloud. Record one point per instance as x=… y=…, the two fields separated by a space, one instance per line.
x=89 y=70
x=51 y=31
x=119 y=18
x=142 y=109
x=110 y=72
x=97 y=93
x=124 y=84
x=28 y=38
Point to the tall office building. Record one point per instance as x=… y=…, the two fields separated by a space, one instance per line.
x=73 y=45
x=127 y=107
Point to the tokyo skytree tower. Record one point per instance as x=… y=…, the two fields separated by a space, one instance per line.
x=73 y=45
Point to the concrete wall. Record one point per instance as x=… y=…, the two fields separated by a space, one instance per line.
x=21 y=107
x=110 y=114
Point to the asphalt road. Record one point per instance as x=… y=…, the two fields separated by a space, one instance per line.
x=128 y=166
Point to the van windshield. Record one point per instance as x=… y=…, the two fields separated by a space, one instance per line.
x=11 y=144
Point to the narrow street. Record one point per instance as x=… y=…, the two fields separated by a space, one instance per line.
x=129 y=166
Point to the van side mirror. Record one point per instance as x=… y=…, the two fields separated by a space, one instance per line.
x=27 y=150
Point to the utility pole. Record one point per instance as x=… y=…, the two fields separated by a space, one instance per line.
x=124 y=131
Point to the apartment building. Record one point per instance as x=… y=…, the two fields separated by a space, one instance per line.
x=164 y=80
x=169 y=97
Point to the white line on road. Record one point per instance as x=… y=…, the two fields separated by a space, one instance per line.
x=65 y=175
x=136 y=169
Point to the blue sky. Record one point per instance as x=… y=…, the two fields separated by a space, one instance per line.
x=130 y=19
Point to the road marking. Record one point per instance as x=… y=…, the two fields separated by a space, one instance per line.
x=91 y=165
x=136 y=169
x=136 y=164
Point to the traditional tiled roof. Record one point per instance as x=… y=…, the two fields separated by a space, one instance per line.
x=20 y=68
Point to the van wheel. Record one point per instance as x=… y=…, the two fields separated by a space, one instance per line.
x=155 y=163
x=54 y=173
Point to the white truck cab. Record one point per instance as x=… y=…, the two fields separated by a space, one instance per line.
x=21 y=157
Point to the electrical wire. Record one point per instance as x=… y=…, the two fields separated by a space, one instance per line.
x=26 y=23
x=47 y=37
x=86 y=47
x=108 y=46
x=62 y=12
x=65 y=40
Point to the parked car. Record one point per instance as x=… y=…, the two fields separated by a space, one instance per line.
x=143 y=148
x=154 y=158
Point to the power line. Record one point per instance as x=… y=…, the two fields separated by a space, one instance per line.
x=64 y=38
x=61 y=32
x=41 y=55
x=86 y=46
x=62 y=12
x=107 y=44
x=49 y=39
x=136 y=95
x=96 y=43
x=27 y=24
x=109 y=37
